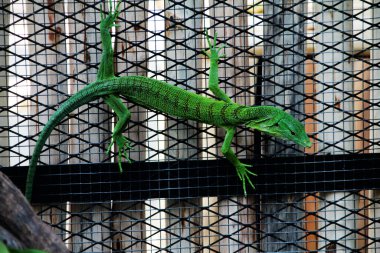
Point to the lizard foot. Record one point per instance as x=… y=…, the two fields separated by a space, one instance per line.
x=123 y=145
x=109 y=21
x=214 y=51
x=244 y=175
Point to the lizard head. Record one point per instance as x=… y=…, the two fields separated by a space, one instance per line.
x=280 y=124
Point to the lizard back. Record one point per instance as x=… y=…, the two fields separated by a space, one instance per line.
x=170 y=99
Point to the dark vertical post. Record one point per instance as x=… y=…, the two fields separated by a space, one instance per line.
x=131 y=53
x=334 y=67
x=181 y=28
x=283 y=85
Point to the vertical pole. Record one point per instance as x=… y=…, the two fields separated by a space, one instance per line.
x=374 y=211
x=375 y=76
x=89 y=223
x=19 y=62
x=311 y=200
x=88 y=143
x=234 y=69
x=361 y=106
x=210 y=232
x=361 y=145
x=181 y=64
x=333 y=67
x=156 y=224
x=4 y=121
x=155 y=218
x=131 y=53
x=48 y=83
x=131 y=57
x=48 y=75
x=228 y=21
x=284 y=84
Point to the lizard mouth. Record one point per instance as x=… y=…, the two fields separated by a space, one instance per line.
x=307 y=144
x=304 y=142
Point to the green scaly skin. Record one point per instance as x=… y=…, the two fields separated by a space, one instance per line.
x=106 y=71
x=168 y=99
x=5 y=249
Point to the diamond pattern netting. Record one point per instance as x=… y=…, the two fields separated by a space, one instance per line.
x=217 y=224
x=319 y=60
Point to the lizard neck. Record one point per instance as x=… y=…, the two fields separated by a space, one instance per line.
x=249 y=113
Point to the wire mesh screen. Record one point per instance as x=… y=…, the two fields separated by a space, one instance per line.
x=317 y=60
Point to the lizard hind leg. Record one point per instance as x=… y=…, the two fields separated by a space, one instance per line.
x=106 y=71
x=122 y=143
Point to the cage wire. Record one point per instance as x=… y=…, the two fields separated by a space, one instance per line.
x=318 y=60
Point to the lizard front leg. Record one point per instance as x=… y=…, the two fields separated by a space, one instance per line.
x=214 y=56
x=241 y=169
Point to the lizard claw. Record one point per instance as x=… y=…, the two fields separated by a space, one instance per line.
x=108 y=21
x=243 y=173
x=204 y=51
x=214 y=50
x=110 y=146
x=123 y=145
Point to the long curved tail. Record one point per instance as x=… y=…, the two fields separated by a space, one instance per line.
x=84 y=96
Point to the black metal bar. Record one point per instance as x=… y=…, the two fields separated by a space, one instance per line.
x=258 y=102
x=183 y=179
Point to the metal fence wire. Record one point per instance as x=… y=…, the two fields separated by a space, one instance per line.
x=318 y=60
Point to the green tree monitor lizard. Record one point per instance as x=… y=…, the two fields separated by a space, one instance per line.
x=168 y=99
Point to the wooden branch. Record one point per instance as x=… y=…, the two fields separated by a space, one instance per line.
x=20 y=226
x=9 y=239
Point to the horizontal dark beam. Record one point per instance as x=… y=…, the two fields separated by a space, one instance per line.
x=182 y=179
